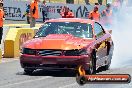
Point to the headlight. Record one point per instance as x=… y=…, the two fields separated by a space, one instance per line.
x=28 y=51
x=75 y=52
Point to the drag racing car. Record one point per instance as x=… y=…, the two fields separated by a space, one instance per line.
x=68 y=44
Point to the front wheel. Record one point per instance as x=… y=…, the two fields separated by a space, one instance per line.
x=92 y=68
x=92 y=64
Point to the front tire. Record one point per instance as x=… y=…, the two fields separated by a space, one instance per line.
x=81 y=80
x=92 y=63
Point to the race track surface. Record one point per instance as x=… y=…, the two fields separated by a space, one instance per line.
x=12 y=76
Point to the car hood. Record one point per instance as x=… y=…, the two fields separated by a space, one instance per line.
x=57 y=41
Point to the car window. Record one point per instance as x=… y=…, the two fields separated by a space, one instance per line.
x=82 y=30
x=90 y=31
x=98 y=30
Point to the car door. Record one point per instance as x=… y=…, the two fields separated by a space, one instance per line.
x=101 y=49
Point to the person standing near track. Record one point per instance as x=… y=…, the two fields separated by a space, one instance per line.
x=66 y=13
x=116 y=5
x=94 y=15
x=44 y=10
x=34 y=12
x=2 y=16
x=27 y=13
x=107 y=16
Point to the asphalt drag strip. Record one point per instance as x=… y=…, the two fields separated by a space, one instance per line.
x=12 y=76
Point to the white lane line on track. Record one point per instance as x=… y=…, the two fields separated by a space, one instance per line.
x=67 y=86
x=27 y=81
x=6 y=61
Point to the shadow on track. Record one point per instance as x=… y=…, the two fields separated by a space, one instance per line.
x=56 y=73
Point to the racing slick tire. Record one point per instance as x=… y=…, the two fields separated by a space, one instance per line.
x=28 y=71
x=81 y=80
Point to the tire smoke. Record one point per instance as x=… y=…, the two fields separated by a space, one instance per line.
x=122 y=37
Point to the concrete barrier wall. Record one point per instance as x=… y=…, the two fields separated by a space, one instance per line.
x=20 y=25
x=6 y=28
x=14 y=39
x=9 y=26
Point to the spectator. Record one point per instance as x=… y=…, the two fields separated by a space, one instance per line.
x=116 y=5
x=44 y=10
x=66 y=13
x=34 y=13
x=1 y=20
x=27 y=13
x=94 y=15
x=107 y=15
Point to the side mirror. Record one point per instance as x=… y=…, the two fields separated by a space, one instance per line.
x=95 y=37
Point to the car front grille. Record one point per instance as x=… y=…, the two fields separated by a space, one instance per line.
x=50 y=52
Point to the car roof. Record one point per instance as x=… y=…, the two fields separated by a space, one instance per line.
x=80 y=20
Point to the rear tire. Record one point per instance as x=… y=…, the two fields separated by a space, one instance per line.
x=28 y=71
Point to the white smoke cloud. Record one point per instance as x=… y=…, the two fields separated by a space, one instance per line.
x=122 y=37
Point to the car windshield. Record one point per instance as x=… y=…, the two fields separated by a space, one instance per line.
x=81 y=30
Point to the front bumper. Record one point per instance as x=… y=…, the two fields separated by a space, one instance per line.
x=54 y=62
